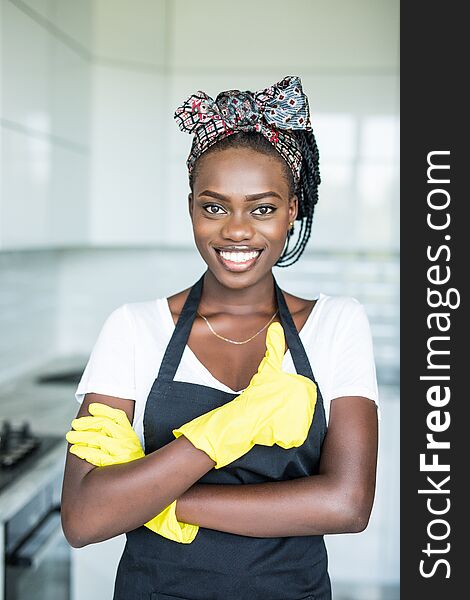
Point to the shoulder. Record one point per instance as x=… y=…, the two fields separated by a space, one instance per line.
x=343 y=313
x=340 y=306
x=135 y=315
x=333 y=316
x=329 y=306
x=146 y=315
x=344 y=322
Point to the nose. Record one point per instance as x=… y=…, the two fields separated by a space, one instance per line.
x=237 y=228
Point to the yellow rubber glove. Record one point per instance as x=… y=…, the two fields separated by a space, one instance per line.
x=107 y=438
x=276 y=408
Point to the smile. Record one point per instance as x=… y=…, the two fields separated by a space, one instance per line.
x=238 y=261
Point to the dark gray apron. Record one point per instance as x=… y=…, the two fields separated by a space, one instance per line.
x=219 y=565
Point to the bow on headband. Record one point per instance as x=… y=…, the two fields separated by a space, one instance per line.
x=273 y=112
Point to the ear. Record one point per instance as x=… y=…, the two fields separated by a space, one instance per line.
x=293 y=208
x=190 y=204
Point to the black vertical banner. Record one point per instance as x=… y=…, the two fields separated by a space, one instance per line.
x=435 y=253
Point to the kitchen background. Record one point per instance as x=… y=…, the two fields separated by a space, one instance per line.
x=93 y=204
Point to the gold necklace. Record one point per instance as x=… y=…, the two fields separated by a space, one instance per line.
x=233 y=341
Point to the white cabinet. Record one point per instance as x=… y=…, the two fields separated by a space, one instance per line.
x=45 y=132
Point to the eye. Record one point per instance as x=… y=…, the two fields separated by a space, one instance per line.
x=271 y=209
x=208 y=207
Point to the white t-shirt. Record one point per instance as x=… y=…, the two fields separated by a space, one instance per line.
x=126 y=357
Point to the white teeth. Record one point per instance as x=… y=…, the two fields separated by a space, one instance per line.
x=238 y=256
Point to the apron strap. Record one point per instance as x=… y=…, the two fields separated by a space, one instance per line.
x=174 y=350
x=294 y=343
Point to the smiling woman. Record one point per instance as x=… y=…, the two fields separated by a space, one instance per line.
x=245 y=447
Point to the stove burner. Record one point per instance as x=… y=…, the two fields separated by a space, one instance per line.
x=15 y=444
x=20 y=449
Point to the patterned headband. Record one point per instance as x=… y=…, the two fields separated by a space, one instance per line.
x=273 y=112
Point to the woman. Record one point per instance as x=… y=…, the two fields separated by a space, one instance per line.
x=237 y=505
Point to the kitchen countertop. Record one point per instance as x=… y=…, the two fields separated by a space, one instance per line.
x=23 y=489
x=49 y=407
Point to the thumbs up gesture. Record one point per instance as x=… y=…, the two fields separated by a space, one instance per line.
x=276 y=408
x=288 y=399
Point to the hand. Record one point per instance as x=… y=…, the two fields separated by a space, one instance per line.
x=107 y=438
x=276 y=408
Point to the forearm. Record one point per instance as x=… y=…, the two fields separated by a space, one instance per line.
x=115 y=499
x=306 y=506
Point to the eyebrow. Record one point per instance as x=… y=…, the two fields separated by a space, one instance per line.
x=248 y=198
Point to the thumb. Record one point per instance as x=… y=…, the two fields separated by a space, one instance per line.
x=275 y=346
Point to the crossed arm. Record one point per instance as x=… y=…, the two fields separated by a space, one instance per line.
x=101 y=502
x=337 y=500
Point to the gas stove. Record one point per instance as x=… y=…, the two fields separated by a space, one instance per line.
x=35 y=557
x=20 y=449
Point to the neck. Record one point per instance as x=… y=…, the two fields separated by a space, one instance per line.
x=257 y=298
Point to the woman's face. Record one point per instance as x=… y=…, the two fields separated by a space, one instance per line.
x=240 y=210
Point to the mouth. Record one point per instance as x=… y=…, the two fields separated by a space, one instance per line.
x=238 y=261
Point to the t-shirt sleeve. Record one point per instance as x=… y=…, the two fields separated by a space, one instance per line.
x=110 y=368
x=353 y=372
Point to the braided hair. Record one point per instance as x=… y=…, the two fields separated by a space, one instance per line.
x=306 y=189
